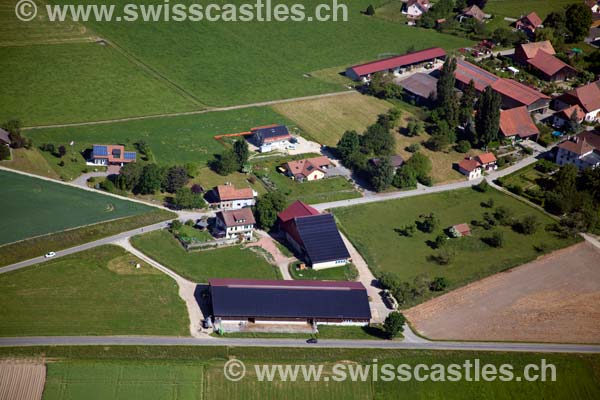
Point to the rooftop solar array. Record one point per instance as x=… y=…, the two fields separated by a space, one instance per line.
x=321 y=238
x=99 y=150
x=274 y=131
x=246 y=301
x=130 y=155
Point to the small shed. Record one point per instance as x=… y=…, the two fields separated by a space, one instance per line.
x=460 y=230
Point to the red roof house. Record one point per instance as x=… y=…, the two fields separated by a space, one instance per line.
x=517 y=122
x=308 y=168
x=541 y=56
x=297 y=209
x=587 y=97
x=529 y=23
x=394 y=63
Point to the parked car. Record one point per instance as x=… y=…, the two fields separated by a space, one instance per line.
x=312 y=341
x=49 y=254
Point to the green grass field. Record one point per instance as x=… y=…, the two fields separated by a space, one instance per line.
x=344 y=273
x=173 y=140
x=199 y=266
x=325 y=120
x=225 y=63
x=40 y=245
x=62 y=83
x=95 y=292
x=32 y=207
x=371 y=227
x=516 y=8
x=197 y=373
x=313 y=192
x=124 y=381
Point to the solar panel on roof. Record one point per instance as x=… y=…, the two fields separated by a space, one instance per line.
x=321 y=238
x=279 y=302
x=130 y=155
x=100 y=150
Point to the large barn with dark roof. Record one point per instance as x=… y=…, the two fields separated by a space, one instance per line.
x=248 y=303
x=315 y=236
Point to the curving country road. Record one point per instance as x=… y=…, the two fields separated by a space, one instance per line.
x=364 y=344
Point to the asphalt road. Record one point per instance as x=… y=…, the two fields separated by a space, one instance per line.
x=375 y=344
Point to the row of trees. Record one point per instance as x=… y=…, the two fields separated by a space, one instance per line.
x=450 y=113
x=152 y=178
x=407 y=292
x=231 y=160
x=17 y=141
x=571 y=24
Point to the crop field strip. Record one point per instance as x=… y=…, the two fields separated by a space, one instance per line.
x=22 y=380
x=48 y=207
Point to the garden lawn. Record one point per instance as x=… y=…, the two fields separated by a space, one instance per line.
x=325 y=120
x=95 y=292
x=371 y=227
x=344 y=273
x=199 y=266
x=33 y=207
x=208 y=179
x=313 y=192
x=173 y=140
x=224 y=63
x=74 y=82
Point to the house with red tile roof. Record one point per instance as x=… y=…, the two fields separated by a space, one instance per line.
x=473 y=12
x=227 y=197
x=514 y=94
x=235 y=224
x=529 y=23
x=565 y=115
x=473 y=167
x=517 y=124
x=395 y=64
x=587 y=97
x=309 y=169
x=582 y=150
x=541 y=57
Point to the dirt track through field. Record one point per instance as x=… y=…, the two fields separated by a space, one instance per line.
x=21 y=380
x=553 y=299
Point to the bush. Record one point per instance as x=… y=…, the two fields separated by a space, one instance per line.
x=425 y=180
x=370 y=10
x=482 y=187
x=503 y=215
x=528 y=225
x=190 y=222
x=495 y=240
x=176 y=225
x=463 y=146
x=413 y=148
x=443 y=257
x=516 y=189
x=107 y=185
x=528 y=150
x=438 y=284
x=394 y=324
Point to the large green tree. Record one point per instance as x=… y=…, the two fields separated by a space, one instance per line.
x=348 y=144
x=267 y=207
x=150 y=179
x=242 y=153
x=175 y=178
x=447 y=100
x=378 y=140
x=578 y=21
x=382 y=174
x=394 y=324
x=487 y=120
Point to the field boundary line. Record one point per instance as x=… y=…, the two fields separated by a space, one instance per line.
x=195 y=112
x=154 y=73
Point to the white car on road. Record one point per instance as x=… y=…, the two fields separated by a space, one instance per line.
x=49 y=254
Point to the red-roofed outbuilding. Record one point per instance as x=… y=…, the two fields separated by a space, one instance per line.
x=393 y=64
